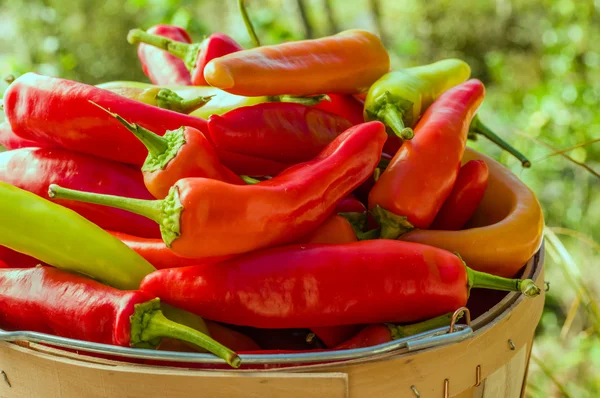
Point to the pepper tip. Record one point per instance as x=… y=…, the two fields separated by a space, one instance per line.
x=529 y=288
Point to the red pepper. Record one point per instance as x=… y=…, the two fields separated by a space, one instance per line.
x=299 y=286
x=202 y=217
x=350 y=205
x=3 y=264
x=79 y=308
x=465 y=197
x=10 y=140
x=250 y=165
x=33 y=169
x=336 y=229
x=178 y=154
x=380 y=334
x=159 y=255
x=161 y=67
x=412 y=189
x=331 y=336
x=345 y=106
x=18 y=260
x=283 y=132
x=58 y=111
x=195 y=55
x=233 y=339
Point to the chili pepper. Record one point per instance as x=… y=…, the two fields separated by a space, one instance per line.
x=178 y=154
x=33 y=169
x=504 y=233
x=331 y=336
x=76 y=307
x=336 y=229
x=62 y=238
x=160 y=66
x=254 y=166
x=350 y=205
x=399 y=98
x=298 y=286
x=380 y=333
x=231 y=219
x=346 y=63
x=419 y=178
x=220 y=101
x=3 y=264
x=19 y=260
x=195 y=55
x=162 y=98
x=287 y=133
x=158 y=254
x=345 y=106
x=466 y=195
x=231 y=338
x=54 y=110
x=10 y=140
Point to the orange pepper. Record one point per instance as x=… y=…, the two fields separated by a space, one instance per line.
x=346 y=63
x=505 y=231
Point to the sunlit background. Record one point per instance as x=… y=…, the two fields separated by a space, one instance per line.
x=540 y=60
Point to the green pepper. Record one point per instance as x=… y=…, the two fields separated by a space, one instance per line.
x=60 y=237
x=399 y=98
x=220 y=101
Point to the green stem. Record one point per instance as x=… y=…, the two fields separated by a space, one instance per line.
x=165 y=212
x=151 y=209
x=308 y=101
x=392 y=225
x=155 y=144
x=391 y=116
x=478 y=127
x=149 y=326
x=487 y=281
x=178 y=49
x=401 y=331
x=168 y=99
x=249 y=180
x=369 y=235
x=248 y=23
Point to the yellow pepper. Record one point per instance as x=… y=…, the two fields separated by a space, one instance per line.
x=220 y=101
x=504 y=233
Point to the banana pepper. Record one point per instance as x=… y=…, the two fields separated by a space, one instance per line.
x=505 y=231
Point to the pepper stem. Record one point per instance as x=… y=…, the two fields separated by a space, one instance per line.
x=155 y=144
x=249 y=180
x=248 y=23
x=147 y=208
x=401 y=331
x=392 y=117
x=165 y=212
x=168 y=99
x=177 y=48
x=488 y=281
x=478 y=127
x=308 y=101
x=392 y=225
x=149 y=325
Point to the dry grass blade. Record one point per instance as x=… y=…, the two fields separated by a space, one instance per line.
x=548 y=373
x=566 y=328
x=564 y=155
x=577 y=235
x=562 y=151
x=572 y=274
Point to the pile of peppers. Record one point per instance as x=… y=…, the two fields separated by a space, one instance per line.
x=283 y=198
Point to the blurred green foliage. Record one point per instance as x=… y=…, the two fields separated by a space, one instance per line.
x=540 y=60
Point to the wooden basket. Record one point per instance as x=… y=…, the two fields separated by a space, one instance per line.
x=491 y=363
